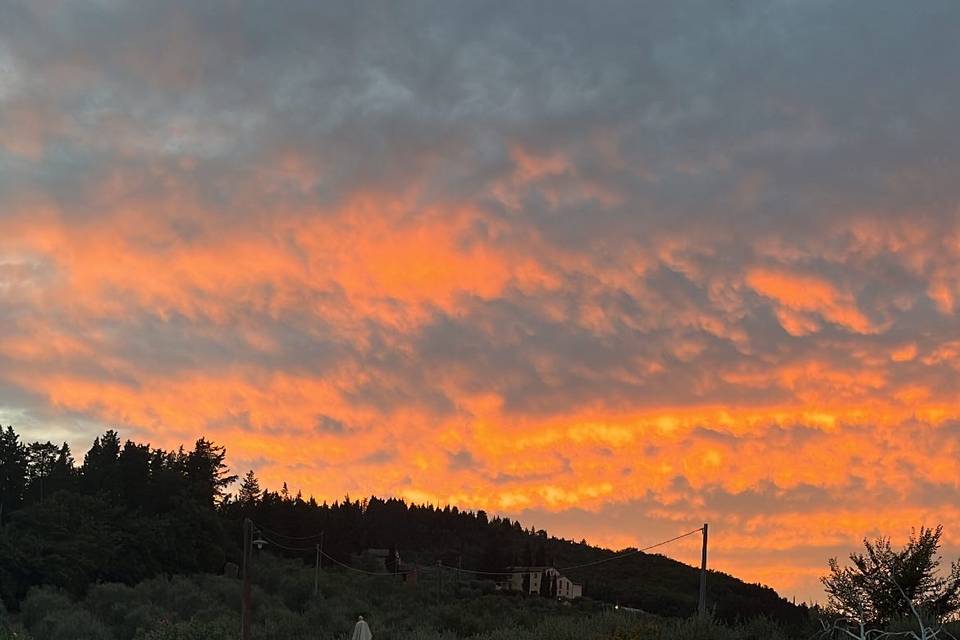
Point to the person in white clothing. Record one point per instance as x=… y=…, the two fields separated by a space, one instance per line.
x=361 y=631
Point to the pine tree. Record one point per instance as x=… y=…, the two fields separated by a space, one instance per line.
x=207 y=472
x=63 y=474
x=41 y=457
x=99 y=469
x=250 y=490
x=134 y=471
x=13 y=471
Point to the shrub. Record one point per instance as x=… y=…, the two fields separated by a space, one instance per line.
x=699 y=629
x=110 y=602
x=192 y=630
x=40 y=601
x=69 y=624
x=910 y=623
x=139 y=619
x=279 y=623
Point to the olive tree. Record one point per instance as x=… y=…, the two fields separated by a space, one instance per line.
x=885 y=584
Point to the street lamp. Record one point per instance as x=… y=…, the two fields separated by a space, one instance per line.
x=248 y=542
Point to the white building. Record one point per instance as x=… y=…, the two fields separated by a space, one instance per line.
x=545 y=581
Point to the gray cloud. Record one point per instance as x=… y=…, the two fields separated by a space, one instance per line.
x=171 y=176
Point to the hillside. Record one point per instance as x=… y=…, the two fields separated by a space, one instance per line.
x=131 y=512
x=424 y=534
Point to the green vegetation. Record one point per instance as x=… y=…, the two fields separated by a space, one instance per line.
x=138 y=543
x=897 y=591
x=134 y=543
x=204 y=607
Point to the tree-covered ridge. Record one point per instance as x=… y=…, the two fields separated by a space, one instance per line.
x=126 y=513
x=129 y=512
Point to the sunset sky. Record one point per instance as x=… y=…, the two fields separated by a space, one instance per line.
x=612 y=268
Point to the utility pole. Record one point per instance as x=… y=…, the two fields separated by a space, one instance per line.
x=245 y=603
x=316 y=574
x=439 y=579
x=459 y=569
x=320 y=562
x=702 y=608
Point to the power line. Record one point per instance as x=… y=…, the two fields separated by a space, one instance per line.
x=471 y=571
x=263 y=530
x=282 y=546
x=313 y=549
x=288 y=537
x=631 y=553
x=346 y=566
x=586 y=564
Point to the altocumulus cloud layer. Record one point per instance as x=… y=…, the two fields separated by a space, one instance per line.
x=615 y=268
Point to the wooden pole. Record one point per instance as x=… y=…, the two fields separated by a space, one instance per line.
x=702 y=607
x=245 y=605
x=439 y=579
x=316 y=574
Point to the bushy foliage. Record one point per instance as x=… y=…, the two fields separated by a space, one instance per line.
x=191 y=630
x=51 y=615
x=206 y=606
x=886 y=585
x=104 y=538
x=761 y=628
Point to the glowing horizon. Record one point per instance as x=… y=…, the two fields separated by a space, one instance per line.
x=615 y=272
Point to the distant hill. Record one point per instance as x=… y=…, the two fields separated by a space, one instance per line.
x=130 y=512
x=424 y=534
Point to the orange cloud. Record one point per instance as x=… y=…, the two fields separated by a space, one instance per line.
x=544 y=325
x=299 y=340
x=799 y=295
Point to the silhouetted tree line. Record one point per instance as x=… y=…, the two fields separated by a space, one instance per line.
x=130 y=511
